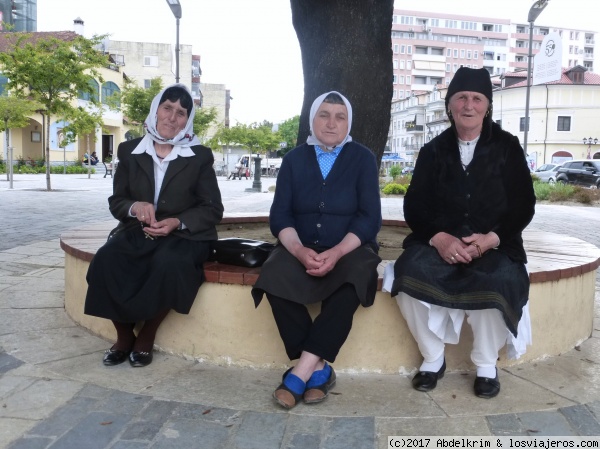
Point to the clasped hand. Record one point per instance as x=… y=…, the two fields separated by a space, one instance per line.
x=145 y=213
x=318 y=264
x=454 y=250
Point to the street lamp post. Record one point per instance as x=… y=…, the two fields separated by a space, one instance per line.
x=535 y=10
x=176 y=9
x=589 y=142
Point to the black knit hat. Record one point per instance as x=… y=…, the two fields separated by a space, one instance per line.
x=472 y=80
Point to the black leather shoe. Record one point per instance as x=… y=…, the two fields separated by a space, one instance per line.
x=140 y=359
x=486 y=387
x=427 y=380
x=114 y=357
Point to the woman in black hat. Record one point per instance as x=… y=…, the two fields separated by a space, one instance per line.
x=470 y=198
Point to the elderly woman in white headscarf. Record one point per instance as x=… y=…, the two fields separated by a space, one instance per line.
x=167 y=201
x=326 y=215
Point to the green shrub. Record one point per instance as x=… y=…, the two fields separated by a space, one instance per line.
x=395 y=171
x=542 y=190
x=584 y=196
x=394 y=189
x=562 y=192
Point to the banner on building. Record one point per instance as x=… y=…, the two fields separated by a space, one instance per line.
x=547 y=64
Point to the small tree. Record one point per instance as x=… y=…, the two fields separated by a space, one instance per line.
x=82 y=122
x=203 y=119
x=136 y=101
x=52 y=72
x=289 y=133
x=14 y=113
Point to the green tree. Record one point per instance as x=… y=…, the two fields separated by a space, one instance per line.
x=14 y=113
x=136 y=101
x=52 y=72
x=82 y=122
x=356 y=61
x=203 y=119
x=289 y=133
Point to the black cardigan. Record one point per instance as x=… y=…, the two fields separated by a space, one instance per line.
x=494 y=192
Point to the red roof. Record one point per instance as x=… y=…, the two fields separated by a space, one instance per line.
x=588 y=78
x=8 y=39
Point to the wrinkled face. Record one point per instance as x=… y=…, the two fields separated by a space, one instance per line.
x=330 y=124
x=170 y=118
x=468 y=110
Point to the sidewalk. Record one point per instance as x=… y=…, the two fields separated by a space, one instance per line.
x=54 y=391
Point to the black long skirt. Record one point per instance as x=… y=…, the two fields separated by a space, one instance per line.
x=491 y=282
x=132 y=278
x=285 y=277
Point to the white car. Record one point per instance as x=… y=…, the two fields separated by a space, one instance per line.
x=547 y=173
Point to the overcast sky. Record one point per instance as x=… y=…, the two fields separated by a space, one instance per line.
x=251 y=46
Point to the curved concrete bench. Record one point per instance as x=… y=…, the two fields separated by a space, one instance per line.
x=223 y=326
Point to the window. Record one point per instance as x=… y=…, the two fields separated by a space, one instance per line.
x=396 y=48
x=462 y=53
x=108 y=90
x=395 y=79
x=407 y=79
x=90 y=96
x=408 y=64
x=119 y=59
x=448 y=52
x=448 y=67
x=395 y=64
x=409 y=49
x=455 y=53
x=401 y=79
x=522 y=124
x=147 y=84
x=455 y=67
x=151 y=61
x=468 y=54
x=3 y=82
x=564 y=123
x=402 y=49
x=475 y=54
x=402 y=64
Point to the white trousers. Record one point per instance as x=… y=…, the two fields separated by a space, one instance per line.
x=433 y=326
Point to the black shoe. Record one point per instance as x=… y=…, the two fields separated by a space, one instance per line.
x=114 y=357
x=140 y=359
x=427 y=380
x=486 y=387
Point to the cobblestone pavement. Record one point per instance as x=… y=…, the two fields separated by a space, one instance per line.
x=54 y=395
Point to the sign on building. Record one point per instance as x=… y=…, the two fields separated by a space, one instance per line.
x=547 y=63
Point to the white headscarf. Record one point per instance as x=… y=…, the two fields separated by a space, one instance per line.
x=185 y=138
x=312 y=140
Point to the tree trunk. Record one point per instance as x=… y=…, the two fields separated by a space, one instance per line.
x=346 y=46
x=47 y=147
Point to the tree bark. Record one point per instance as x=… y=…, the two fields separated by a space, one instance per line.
x=346 y=46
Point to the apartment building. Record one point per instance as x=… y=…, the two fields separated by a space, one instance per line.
x=21 y=14
x=429 y=47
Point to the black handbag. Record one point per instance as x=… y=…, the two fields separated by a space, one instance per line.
x=241 y=252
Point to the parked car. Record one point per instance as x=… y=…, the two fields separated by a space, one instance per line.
x=547 y=173
x=585 y=173
x=408 y=170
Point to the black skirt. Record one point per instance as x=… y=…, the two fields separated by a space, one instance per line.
x=284 y=276
x=132 y=278
x=493 y=281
